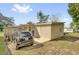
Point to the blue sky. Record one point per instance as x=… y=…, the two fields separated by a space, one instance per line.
x=25 y=12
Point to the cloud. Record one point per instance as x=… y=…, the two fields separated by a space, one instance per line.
x=13 y=9
x=21 y=8
x=67 y=20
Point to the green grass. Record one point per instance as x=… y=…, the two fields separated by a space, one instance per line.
x=74 y=34
x=3 y=48
x=1 y=34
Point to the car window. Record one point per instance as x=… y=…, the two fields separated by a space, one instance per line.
x=25 y=34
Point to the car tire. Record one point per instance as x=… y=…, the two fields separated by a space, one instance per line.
x=17 y=48
x=31 y=44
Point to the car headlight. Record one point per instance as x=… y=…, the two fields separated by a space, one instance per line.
x=26 y=39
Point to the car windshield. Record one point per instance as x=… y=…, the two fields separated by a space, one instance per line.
x=25 y=34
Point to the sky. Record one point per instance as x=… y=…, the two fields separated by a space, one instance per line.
x=25 y=12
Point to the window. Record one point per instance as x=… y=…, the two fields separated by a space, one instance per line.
x=29 y=28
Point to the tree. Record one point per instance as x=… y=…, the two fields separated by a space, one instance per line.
x=29 y=22
x=73 y=10
x=5 y=21
x=42 y=18
x=71 y=25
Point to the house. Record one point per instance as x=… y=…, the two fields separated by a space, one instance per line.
x=50 y=31
x=43 y=32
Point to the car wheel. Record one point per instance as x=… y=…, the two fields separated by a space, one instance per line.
x=17 y=47
x=31 y=44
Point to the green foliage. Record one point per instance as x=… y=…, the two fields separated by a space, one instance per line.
x=3 y=48
x=42 y=18
x=6 y=20
x=71 y=25
x=73 y=10
x=29 y=22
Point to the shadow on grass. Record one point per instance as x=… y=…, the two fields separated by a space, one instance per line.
x=35 y=46
x=67 y=38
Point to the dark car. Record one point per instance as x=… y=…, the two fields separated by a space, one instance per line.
x=22 y=39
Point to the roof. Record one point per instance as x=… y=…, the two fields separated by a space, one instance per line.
x=50 y=23
x=26 y=25
x=38 y=24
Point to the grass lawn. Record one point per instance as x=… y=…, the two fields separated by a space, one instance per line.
x=3 y=48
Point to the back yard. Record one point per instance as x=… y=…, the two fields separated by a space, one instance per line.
x=67 y=45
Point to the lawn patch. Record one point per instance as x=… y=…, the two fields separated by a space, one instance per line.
x=3 y=48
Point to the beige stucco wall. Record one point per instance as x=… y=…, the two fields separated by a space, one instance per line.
x=24 y=27
x=57 y=30
x=44 y=33
x=49 y=32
